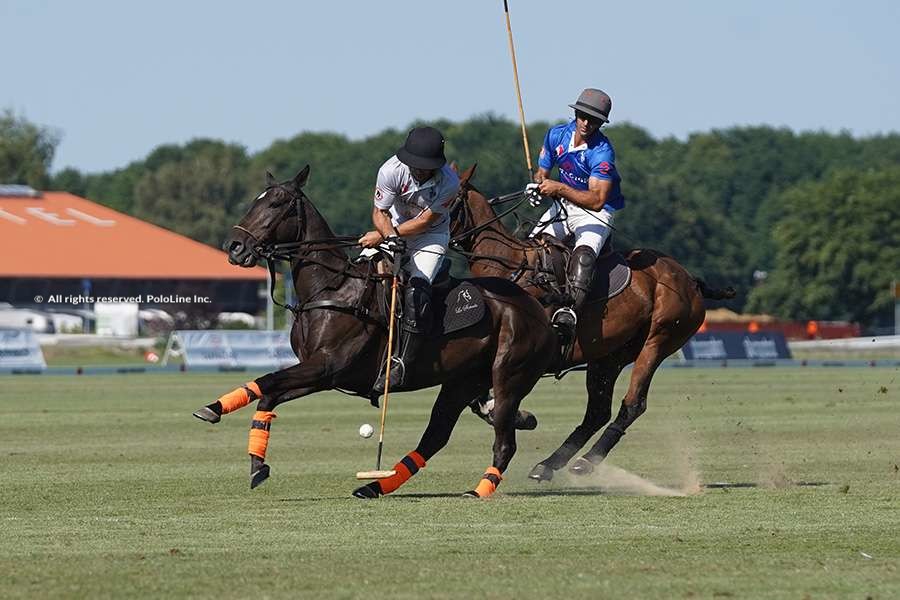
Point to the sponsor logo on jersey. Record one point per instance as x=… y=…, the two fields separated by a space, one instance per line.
x=560 y=150
x=604 y=167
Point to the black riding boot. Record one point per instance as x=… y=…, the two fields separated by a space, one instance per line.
x=410 y=343
x=416 y=323
x=580 y=274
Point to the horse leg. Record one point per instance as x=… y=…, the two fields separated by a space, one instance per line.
x=449 y=404
x=230 y=402
x=513 y=378
x=280 y=386
x=633 y=405
x=600 y=381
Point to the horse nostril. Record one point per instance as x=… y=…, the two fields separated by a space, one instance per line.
x=236 y=248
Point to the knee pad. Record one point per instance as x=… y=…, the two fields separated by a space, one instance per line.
x=581 y=267
x=583 y=256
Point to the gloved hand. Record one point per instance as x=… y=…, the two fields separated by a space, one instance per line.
x=533 y=194
x=395 y=244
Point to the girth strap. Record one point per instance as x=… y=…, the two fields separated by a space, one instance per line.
x=360 y=311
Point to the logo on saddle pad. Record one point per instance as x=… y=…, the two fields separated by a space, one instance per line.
x=464 y=302
x=462 y=307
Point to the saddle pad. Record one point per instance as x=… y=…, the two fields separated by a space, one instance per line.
x=611 y=275
x=463 y=307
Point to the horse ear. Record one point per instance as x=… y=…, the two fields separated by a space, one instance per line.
x=467 y=175
x=302 y=177
x=270 y=179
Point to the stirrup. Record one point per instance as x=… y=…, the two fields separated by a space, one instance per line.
x=380 y=382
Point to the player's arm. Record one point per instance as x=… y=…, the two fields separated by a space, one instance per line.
x=381 y=219
x=592 y=198
x=546 y=159
x=541 y=175
x=420 y=224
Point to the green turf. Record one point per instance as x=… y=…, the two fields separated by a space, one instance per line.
x=110 y=489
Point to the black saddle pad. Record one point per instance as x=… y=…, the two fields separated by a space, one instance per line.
x=611 y=275
x=457 y=306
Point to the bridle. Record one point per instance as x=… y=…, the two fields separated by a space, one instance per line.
x=519 y=268
x=304 y=250
x=264 y=250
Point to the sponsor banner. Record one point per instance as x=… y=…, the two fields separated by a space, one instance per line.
x=735 y=345
x=236 y=348
x=19 y=349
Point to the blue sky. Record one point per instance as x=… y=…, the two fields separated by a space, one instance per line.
x=120 y=78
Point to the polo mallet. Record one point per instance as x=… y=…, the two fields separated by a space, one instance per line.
x=378 y=473
x=512 y=53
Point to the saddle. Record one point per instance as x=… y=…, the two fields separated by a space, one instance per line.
x=456 y=303
x=611 y=271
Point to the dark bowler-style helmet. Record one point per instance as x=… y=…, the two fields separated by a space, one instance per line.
x=595 y=103
x=424 y=149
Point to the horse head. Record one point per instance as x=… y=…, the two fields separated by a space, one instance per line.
x=276 y=216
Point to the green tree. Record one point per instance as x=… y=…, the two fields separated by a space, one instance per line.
x=838 y=249
x=26 y=151
x=196 y=190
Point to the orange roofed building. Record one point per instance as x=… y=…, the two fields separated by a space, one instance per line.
x=55 y=244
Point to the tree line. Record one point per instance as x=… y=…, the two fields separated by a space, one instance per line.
x=803 y=224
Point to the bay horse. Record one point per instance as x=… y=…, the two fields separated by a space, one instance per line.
x=340 y=335
x=658 y=311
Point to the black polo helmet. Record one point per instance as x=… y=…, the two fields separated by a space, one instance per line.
x=424 y=149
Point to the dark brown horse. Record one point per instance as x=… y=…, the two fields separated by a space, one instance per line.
x=651 y=318
x=339 y=336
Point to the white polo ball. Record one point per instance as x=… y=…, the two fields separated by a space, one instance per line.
x=366 y=430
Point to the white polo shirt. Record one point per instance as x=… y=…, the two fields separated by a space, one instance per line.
x=398 y=191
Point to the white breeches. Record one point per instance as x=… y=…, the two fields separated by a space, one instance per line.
x=590 y=228
x=425 y=250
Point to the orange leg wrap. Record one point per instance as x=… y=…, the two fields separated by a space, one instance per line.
x=259 y=433
x=408 y=466
x=489 y=482
x=239 y=398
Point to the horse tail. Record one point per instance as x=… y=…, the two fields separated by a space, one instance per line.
x=714 y=293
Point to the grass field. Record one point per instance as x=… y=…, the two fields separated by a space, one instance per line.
x=109 y=488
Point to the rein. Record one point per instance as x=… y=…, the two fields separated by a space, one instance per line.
x=520 y=196
x=517 y=268
x=304 y=250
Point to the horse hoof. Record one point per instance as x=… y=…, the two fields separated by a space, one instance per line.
x=208 y=414
x=541 y=472
x=258 y=476
x=470 y=494
x=366 y=492
x=581 y=466
x=525 y=421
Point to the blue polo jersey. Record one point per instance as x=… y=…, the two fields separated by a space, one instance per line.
x=596 y=158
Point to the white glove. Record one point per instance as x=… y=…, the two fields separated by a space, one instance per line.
x=533 y=195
